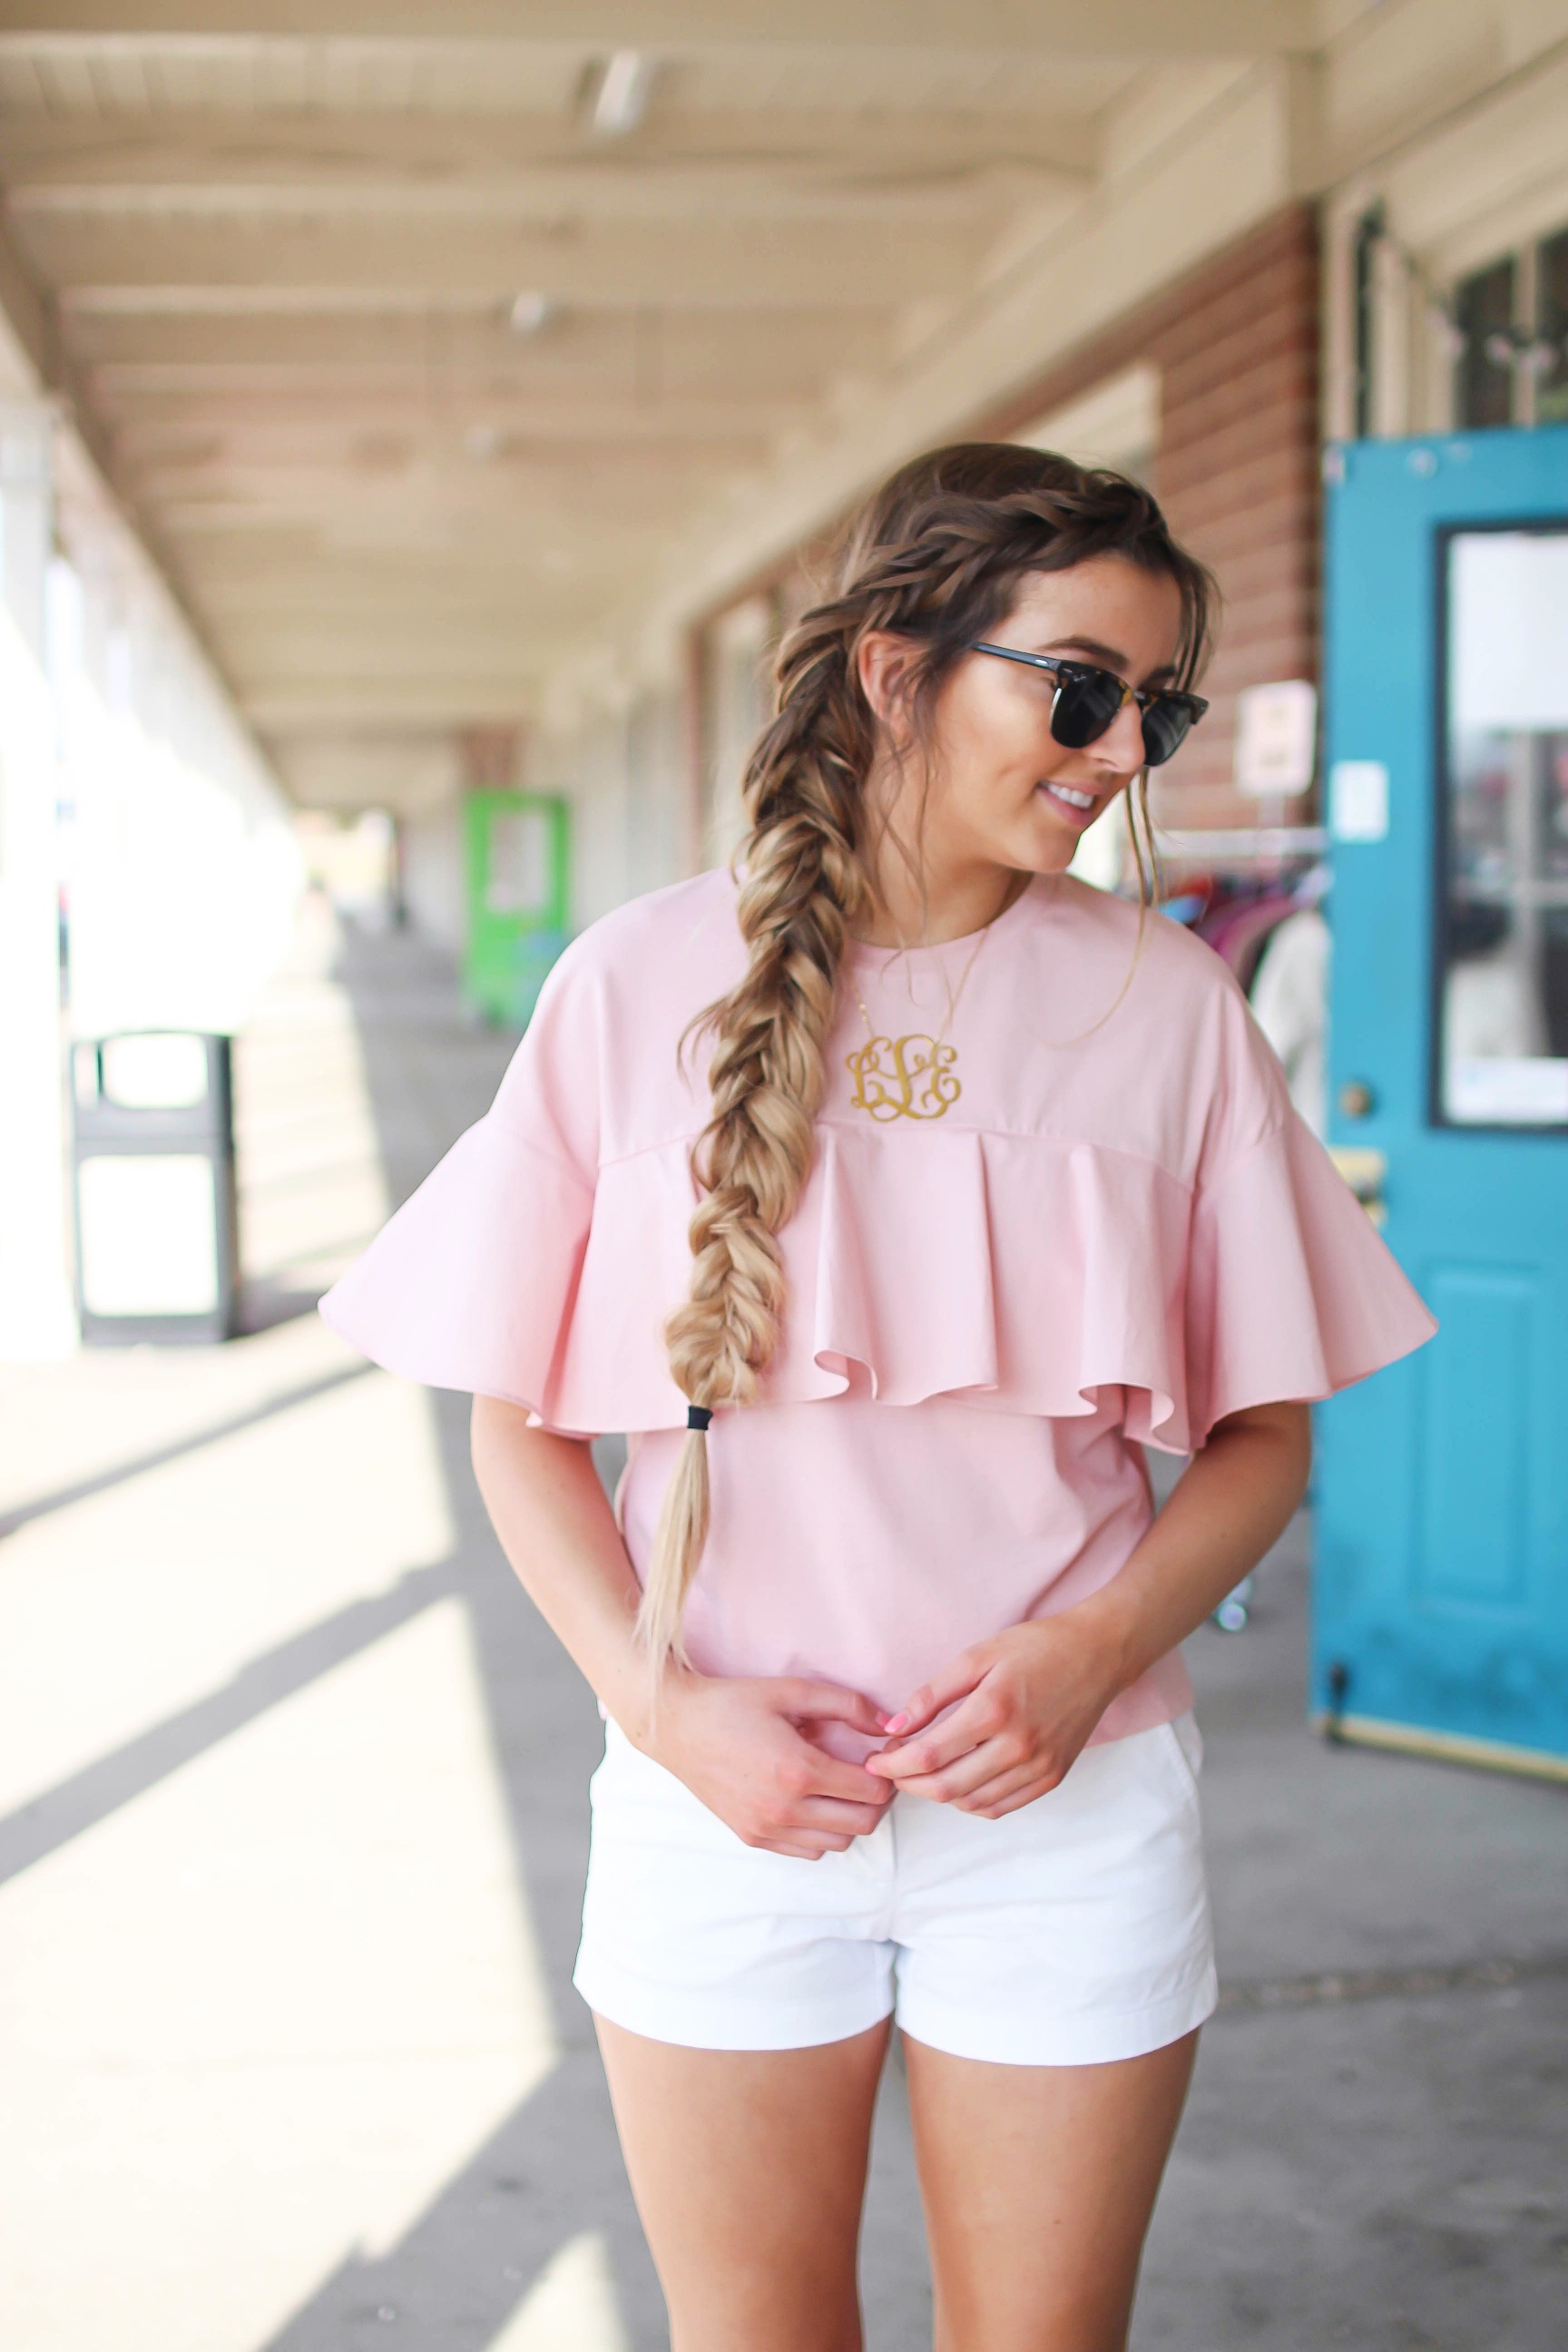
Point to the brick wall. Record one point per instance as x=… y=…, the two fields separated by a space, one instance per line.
x=1237 y=472
x=1235 y=342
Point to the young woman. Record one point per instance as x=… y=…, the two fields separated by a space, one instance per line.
x=892 y=1199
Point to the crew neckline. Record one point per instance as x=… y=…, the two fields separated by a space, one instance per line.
x=964 y=939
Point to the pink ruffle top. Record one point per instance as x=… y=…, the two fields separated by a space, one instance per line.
x=1096 y=1224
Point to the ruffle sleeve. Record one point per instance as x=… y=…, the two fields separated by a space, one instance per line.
x=471 y=1284
x=1290 y=1292
x=475 y=1283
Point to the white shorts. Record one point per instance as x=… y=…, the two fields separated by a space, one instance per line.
x=1071 y=1932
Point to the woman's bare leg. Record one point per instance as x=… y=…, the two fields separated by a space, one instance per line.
x=1038 y=2184
x=749 y=2171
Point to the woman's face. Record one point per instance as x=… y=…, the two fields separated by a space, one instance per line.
x=1003 y=791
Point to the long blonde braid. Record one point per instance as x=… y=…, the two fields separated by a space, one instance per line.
x=936 y=556
x=805 y=880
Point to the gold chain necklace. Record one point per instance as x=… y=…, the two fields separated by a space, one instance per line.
x=910 y=1077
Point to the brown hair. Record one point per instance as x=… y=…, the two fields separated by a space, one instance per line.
x=936 y=557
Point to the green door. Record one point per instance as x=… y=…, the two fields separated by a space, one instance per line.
x=516 y=853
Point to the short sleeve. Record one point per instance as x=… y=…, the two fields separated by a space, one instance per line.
x=1290 y=1292
x=472 y=1284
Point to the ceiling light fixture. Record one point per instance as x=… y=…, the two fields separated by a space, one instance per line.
x=531 y=312
x=625 y=87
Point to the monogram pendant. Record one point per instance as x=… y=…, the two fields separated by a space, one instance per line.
x=904 y=1077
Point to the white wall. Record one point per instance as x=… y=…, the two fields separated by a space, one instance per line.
x=181 y=862
x=127 y=779
x=37 y=1316
x=623 y=773
x=433 y=876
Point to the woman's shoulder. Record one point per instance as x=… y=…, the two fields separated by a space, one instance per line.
x=684 y=927
x=1170 y=1061
x=1089 y=950
x=1174 y=957
x=605 y=1036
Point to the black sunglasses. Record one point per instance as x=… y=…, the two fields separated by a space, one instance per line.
x=1086 y=701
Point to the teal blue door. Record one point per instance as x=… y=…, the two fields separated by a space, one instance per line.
x=1441 y=1576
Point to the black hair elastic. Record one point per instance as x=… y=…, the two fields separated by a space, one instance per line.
x=698 y=1416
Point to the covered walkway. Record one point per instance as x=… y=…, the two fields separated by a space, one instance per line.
x=417 y=426
x=252 y=1621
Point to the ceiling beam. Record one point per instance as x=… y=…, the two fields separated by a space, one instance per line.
x=739 y=352
x=274 y=707
x=340 y=420
x=496 y=619
x=321 y=648
x=496 y=521
x=818 y=263
x=846 y=150
x=589 y=473
x=694 y=27
x=672 y=194
x=251 y=575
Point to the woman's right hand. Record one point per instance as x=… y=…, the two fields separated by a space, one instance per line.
x=737 y=1744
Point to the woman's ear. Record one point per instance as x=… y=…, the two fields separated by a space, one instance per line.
x=885 y=664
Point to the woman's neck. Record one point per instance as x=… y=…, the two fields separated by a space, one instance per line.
x=952 y=904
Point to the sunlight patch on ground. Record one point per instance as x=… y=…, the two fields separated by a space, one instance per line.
x=161 y=1589
x=570 y=2307
x=259 y=2017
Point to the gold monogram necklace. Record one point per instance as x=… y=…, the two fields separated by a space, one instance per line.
x=911 y=1076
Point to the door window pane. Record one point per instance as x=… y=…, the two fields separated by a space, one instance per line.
x=1552 y=326
x=1503 y=925
x=1483 y=384
x=520 y=863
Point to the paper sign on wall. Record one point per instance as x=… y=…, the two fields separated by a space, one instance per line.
x=1358 y=799
x=1276 y=738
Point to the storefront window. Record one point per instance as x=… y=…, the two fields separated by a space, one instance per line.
x=1483 y=311
x=1552 y=306
x=1503 y=936
x=736 y=694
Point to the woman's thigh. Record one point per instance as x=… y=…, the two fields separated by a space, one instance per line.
x=1038 y=2184
x=749 y=2171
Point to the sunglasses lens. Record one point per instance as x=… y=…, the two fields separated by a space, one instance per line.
x=1165 y=724
x=1085 y=707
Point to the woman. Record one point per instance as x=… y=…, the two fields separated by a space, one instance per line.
x=892 y=1200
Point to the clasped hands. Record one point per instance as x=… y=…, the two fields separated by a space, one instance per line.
x=1015 y=1712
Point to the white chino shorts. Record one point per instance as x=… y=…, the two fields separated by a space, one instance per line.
x=1073 y=1931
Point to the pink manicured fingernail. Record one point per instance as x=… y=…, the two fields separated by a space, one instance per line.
x=894 y=1722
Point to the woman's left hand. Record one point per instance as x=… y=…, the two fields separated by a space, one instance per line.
x=1024 y=1704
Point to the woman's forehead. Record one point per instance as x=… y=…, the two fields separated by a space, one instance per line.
x=1106 y=602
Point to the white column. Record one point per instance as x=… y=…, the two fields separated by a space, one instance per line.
x=37 y=1317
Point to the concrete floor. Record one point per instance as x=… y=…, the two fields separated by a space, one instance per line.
x=292 y=1788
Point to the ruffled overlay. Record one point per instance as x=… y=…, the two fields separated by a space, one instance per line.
x=1022 y=1274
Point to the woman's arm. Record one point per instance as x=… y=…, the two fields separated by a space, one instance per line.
x=738 y=1745
x=1025 y=1702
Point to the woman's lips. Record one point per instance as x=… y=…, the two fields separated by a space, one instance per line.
x=1081 y=807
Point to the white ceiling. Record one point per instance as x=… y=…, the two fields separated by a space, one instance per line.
x=281 y=270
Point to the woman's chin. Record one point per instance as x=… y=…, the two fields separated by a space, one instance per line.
x=1052 y=841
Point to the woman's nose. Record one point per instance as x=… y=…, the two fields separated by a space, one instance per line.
x=1122 y=745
